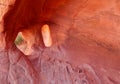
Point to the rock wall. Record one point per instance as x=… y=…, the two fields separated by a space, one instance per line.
x=86 y=43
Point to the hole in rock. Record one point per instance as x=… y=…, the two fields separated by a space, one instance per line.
x=23 y=44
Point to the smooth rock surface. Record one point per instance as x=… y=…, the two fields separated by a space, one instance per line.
x=86 y=43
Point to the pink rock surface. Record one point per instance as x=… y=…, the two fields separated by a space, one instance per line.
x=86 y=43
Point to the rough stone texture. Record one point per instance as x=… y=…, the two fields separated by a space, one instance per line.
x=86 y=43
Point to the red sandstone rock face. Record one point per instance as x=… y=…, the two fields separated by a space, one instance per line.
x=86 y=43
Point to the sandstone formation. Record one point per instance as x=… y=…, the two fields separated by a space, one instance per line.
x=85 y=45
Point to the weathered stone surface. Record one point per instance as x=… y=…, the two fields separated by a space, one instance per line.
x=86 y=43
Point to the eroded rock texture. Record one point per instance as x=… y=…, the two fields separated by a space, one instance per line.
x=86 y=43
